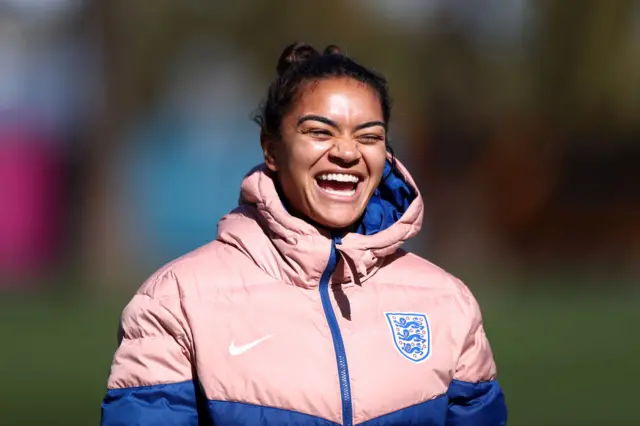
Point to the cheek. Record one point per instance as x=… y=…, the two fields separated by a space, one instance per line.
x=294 y=173
x=302 y=157
x=297 y=162
x=297 y=151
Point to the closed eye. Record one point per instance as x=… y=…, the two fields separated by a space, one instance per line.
x=371 y=138
x=319 y=132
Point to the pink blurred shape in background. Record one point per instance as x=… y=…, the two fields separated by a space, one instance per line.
x=30 y=202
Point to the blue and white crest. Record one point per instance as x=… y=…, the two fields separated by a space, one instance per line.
x=411 y=334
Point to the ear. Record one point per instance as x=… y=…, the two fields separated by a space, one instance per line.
x=268 y=145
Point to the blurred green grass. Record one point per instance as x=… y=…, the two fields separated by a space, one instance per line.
x=562 y=361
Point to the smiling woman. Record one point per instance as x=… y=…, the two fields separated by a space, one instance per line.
x=324 y=128
x=305 y=310
x=331 y=152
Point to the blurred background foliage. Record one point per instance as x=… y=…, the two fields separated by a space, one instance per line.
x=125 y=131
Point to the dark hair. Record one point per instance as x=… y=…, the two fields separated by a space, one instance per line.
x=300 y=64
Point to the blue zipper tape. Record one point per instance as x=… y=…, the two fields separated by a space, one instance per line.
x=338 y=344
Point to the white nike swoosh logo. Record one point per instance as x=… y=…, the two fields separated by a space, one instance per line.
x=238 y=350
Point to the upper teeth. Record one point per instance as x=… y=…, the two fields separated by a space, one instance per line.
x=340 y=177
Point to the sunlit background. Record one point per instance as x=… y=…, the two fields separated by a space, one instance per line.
x=125 y=131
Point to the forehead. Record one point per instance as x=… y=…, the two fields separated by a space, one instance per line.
x=339 y=98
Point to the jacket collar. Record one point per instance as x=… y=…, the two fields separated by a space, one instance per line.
x=290 y=249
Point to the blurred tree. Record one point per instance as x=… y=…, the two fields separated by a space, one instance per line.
x=495 y=164
x=585 y=61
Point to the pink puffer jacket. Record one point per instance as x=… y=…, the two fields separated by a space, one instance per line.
x=279 y=323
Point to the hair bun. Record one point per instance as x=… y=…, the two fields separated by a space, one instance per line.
x=295 y=54
x=332 y=49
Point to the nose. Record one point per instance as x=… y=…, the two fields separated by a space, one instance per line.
x=345 y=150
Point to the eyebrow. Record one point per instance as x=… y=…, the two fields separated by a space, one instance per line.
x=370 y=124
x=319 y=118
x=329 y=122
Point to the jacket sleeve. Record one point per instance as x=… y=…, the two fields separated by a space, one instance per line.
x=151 y=380
x=475 y=397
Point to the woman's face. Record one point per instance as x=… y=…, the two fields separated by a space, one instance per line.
x=331 y=155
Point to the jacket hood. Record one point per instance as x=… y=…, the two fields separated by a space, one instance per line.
x=293 y=250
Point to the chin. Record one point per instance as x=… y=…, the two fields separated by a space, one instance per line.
x=328 y=220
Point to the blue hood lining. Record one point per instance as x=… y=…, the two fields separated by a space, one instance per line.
x=388 y=203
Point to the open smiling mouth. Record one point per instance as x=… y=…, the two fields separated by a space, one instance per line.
x=341 y=184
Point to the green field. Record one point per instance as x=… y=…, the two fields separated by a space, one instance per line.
x=561 y=362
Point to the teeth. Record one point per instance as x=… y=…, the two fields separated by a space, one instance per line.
x=339 y=177
x=336 y=192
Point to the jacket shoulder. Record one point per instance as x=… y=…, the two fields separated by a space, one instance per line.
x=416 y=271
x=213 y=267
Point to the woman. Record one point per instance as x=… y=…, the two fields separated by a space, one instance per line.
x=305 y=311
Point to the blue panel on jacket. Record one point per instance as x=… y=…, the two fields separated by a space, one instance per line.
x=161 y=405
x=476 y=404
x=240 y=414
x=429 y=413
x=465 y=404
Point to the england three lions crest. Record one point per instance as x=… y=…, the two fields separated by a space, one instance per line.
x=411 y=334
